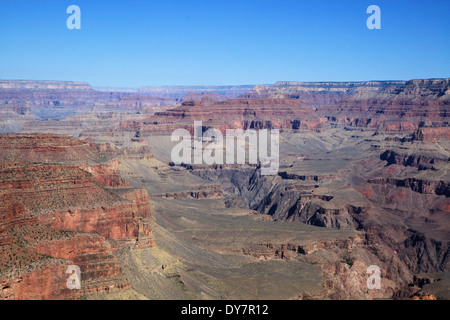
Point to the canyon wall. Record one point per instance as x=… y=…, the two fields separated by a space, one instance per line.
x=56 y=215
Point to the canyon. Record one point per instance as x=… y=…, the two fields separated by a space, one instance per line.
x=87 y=179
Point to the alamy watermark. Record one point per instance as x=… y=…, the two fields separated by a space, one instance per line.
x=74 y=20
x=238 y=146
x=374 y=280
x=374 y=21
x=73 y=282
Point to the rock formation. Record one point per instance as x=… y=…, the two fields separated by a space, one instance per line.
x=56 y=215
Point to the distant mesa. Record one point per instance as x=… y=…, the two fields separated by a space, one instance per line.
x=179 y=92
x=44 y=85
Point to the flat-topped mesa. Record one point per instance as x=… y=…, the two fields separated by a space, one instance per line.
x=234 y=113
x=204 y=97
x=403 y=108
x=432 y=89
x=44 y=85
x=424 y=91
x=107 y=174
x=317 y=93
x=179 y=92
x=343 y=87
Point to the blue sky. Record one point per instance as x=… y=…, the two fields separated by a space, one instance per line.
x=211 y=42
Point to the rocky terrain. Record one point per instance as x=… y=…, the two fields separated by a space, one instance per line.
x=363 y=180
x=57 y=100
x=58 y=211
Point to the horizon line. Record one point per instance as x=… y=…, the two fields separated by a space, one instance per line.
x=218 y=85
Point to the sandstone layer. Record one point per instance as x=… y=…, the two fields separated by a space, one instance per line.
x=56 y=215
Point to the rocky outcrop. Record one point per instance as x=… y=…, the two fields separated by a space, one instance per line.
x=243 y=187
x=431 y=134
x=143 y=219
x=302 y=177
x=413 y=160
x=401 y=108
x=107 y=174
x=56 y=215
x=201 y=192
x=288 y=204
x=203 y=97
x=424 y=254
x=67 y=198
x=237 y=113
x=417 y=185
x=318 y=93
